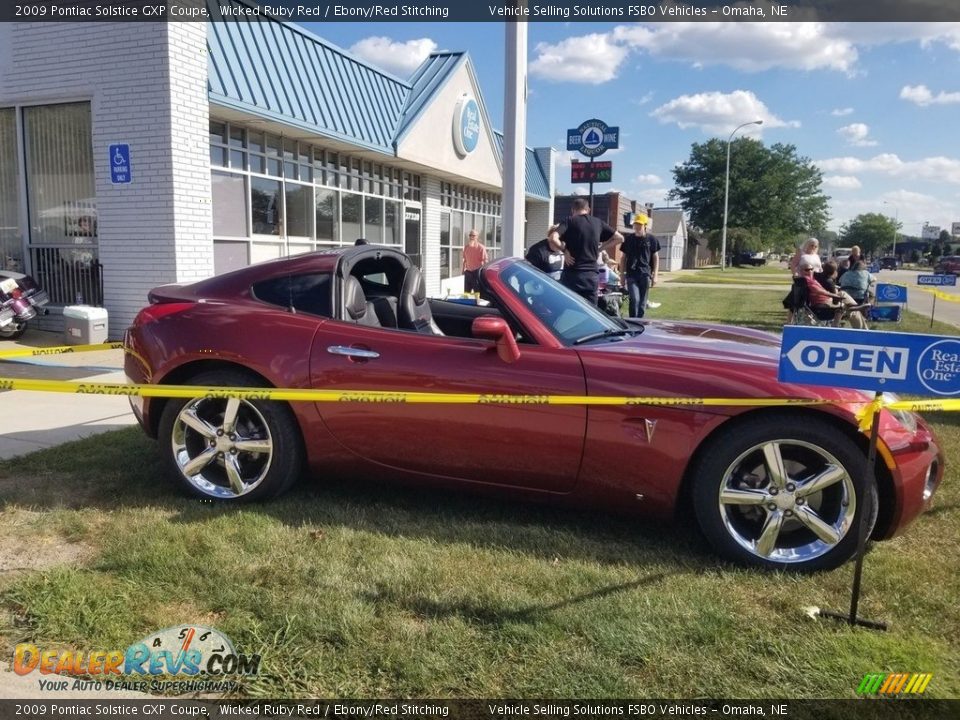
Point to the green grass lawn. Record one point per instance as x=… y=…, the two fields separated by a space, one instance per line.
x=759 y=309
x=376 y=591
x=776 y=274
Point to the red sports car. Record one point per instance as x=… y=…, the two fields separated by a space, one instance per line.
x=771 y=486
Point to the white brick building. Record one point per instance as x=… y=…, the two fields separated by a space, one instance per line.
x=233 y=159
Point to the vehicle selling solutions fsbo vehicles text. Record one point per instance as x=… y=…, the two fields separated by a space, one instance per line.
x=646 y=11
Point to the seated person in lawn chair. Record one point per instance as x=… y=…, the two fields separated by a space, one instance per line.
x=809 y=299
x=857 y=282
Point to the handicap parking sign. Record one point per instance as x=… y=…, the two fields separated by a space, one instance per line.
x=120 y=172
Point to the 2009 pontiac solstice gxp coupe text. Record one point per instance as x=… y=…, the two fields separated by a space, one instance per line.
x=776 y=486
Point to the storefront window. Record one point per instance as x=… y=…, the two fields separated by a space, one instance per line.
x=11 y=246
x=299 y=209
x=229 y=205
x=289 y=190
x=351 y=214
x=391 y=225
x=266 y=206
x=327 y=213
x=373 y=220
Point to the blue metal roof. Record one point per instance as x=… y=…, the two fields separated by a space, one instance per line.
x=281 y=72
x=535 y=181
x=428 y=78
x=285 y=73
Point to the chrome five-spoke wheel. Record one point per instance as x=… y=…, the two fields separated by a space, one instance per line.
x=222 y=446
x=231 y=449
x=787 y=501
x=783 y=490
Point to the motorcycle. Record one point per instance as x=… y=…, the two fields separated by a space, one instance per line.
x=21 y=299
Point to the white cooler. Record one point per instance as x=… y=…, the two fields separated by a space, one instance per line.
x=84 y=324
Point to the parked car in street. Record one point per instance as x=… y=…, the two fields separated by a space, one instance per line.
x=756 y=259
x=888 y=263
x=779 y=487
x=948 y=264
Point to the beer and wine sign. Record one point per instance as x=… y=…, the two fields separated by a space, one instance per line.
x=591 y=139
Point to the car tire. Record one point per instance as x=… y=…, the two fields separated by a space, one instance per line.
x=255 y=457
x=783 y=492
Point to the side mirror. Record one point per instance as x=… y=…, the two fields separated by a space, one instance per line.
x=495 y=328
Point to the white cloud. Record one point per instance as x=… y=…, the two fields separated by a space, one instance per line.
x=857 y=134
x=941 y=169
x=921 y=95
x=911 y=208
x=747 y=46
x=718 y=113
x=593 y=58
x=840 y=112
x=399 y=58
x=648 y=179
x=842 y=182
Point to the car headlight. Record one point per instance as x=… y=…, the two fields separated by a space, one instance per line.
x=904 y=417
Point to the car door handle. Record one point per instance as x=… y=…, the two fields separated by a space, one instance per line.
x=353 y=352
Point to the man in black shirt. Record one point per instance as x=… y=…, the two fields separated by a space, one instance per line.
x=640 y=263
x=544 y=258
x=582 y=236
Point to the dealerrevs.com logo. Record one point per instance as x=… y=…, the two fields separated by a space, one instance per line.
x=894 y=683
x=201 y=658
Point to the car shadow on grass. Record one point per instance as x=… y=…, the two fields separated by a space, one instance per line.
x=477 y=613
x=123 y=471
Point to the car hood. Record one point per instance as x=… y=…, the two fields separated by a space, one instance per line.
x=701 y=360
x=701 y=341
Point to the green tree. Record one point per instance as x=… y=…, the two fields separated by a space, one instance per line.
x=774 y=193
x=873 y=232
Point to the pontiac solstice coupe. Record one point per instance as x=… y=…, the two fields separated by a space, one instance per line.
x=771 y=486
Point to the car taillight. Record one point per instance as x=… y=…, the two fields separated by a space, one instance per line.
x=152 y=313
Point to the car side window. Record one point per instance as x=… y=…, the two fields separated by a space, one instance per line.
x=304 y=293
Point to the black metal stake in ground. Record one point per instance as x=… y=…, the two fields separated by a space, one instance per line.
x=862 y=533
x=933 y=310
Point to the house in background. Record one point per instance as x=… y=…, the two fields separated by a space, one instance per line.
x=670 y=228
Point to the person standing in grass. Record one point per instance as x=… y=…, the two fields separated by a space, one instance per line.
x=640 y=263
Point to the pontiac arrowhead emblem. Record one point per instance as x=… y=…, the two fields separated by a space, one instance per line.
x=651 y=428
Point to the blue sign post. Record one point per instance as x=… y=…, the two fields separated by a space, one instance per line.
x=936 y=280
x=878 y=361
x=594 y=137
x=120 y=171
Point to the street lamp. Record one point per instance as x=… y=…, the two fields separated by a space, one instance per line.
x=726 y=196
x=896 y=221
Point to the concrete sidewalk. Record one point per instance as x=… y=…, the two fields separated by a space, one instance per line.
x=34 y=420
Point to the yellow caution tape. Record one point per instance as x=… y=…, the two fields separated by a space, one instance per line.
x=376 y=396
x=59 y=350
x=864 y=415
x=942 y=295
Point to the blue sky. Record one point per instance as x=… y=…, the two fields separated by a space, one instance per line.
x=873 y=104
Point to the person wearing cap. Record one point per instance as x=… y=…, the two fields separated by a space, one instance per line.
x=582 y=236
x=640 y=264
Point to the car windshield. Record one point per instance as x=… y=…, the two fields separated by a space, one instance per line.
x=564 y=313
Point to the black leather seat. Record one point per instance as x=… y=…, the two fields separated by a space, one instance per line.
x=413 y=308
x=355 y=305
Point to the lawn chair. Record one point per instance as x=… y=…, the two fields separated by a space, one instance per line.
x=806 y=314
